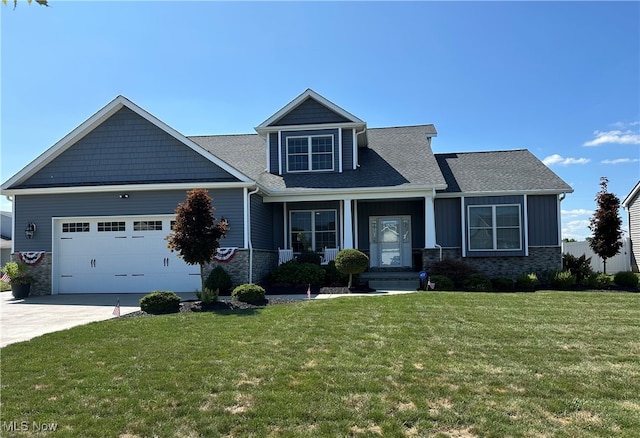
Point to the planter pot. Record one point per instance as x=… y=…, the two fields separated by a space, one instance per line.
x=20 y=291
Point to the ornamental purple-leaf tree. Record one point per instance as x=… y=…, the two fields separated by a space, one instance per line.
x=195 y=234
x=606 y=225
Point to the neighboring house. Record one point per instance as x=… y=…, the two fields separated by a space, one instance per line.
x=6 y=221
x=632 y=204
x=313 y=177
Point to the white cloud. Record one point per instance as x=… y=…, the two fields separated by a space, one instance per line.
x=576 y=212
x=578 y=229
x=621 y=160
x=561 y=161
x=615 y=136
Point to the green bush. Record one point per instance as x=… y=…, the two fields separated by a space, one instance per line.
x=527 y=282
x=207 y=296
x=160 y=301
x=333 y=277
x=477 y=283
x=456 y=270
x=626 y=279
x=598 y=281
x=503 y=284
x=351 y=261
x=563 y=280
x=442 y=282
x=249 y=293
x=295 y=273
x=579 y=266
x=310 y=257
x=219 y=280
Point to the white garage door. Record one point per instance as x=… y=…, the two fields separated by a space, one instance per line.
x=119 y=255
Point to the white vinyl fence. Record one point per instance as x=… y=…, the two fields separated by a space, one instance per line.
x=621 y=262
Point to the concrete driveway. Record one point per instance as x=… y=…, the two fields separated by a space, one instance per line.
x=21 y=320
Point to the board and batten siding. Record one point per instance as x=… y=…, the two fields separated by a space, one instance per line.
x=126 y=149
x=542 y=217
x=310 y=112
x=40 y=209
x=448 y=222
x=347 y=149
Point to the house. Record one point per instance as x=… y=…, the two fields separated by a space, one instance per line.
x=6 y=221
x=632 y=204
x=313 y=176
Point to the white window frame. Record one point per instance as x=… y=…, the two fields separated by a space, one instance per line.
x=494 y=228
x=313 y=225
x=310 y=153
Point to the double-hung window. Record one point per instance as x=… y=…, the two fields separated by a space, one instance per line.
x=494 y=228
x=313 y=230
x=311 y=152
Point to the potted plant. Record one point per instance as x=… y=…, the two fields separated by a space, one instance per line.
x=19 y=279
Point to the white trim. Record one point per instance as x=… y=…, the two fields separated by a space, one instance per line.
x=429 y=223
x=463 y=223
x=494 y=228
x=525 y=221
x=269 y=153
x=310 y=153
x=353 y=193
x=98 y=118
x=341 y=219
x=631 y=195
x=559 y=219
x=313 y=224
x=279 y=152
x=348 y=224
x=354 y=161
x=339 y=150
x=308 y=127
x=500 y=193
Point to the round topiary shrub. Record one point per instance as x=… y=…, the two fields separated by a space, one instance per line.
x=219 y=280
x=441 y=282
x=160 y=301
x=563 y=280
x=249 y=293
x=477 y=283
x=527 y=282
x=351 y=261
x=503 y=284
x=333 y=277
x=626 y=279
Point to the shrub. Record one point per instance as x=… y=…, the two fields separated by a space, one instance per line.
x=579 y=266
x=527 y=282
x=456 y=270
x=503 y=284
x=563 y=280
x=310 y=257
x=477 y=283
x=249 y=293
x=351 y=261
x=626 y=279
x=442 y=282
x=207 y=296
x=333 y=277
x=293 y=272
x=219 y=280
x=598 y=281
x=160 y=301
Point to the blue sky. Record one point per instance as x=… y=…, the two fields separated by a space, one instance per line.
x=559 y=79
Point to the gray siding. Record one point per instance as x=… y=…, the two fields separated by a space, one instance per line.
x=273 y=152
x=497 y=200
x=126 y=149
x=347 y=149
x=277 y=225
x=336 y=149
x=413 y=208
x=448 y=222
x=40 y=209
x=543 y=220
x=309 y=112
x=261 y=228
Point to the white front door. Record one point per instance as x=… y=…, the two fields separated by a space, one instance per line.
x=390 y=241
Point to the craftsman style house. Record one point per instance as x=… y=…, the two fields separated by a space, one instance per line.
x=96 y=206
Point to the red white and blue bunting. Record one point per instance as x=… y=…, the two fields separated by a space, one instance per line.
x=31 y=258
x=225 y=254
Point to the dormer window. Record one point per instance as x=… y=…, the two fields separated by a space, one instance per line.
x=310 y=153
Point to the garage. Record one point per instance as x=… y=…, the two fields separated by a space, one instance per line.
x=126 y=254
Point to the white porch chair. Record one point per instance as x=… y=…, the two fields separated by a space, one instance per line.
x=284 y=255
x=329 y=254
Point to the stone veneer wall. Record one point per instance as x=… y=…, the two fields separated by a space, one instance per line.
x=540 y=259
x=41 y=274
x=264 y=262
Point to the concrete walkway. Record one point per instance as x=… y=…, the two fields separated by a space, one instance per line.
x=21 y=320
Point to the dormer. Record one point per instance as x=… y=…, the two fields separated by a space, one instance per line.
x=311 y=134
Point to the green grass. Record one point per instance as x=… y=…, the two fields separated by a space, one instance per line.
x=427 y=364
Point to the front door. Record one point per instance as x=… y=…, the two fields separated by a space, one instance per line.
x=390 y=241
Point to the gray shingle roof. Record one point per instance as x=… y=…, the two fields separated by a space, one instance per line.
x=498 y=171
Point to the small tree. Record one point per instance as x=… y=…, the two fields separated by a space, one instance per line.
x=351 y=261
x=195 y=234
x=606 y=225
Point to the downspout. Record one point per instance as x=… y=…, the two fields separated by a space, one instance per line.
x=355 y=148
x=249 y=233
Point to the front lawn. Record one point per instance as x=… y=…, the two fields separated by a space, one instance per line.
x=425 y=364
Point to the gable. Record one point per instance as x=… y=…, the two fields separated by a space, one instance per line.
x=126 y=149
x=310 y=112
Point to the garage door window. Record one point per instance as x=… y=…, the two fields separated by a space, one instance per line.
x=75 y=227
x=111 y=226
x=147 y=226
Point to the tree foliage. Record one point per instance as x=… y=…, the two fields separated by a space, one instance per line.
x=351 y=261
x=195 y=234
x=606 y=224
x=40 y=2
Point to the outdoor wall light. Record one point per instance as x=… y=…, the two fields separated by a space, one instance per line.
x=30 y=230
x=124 y=196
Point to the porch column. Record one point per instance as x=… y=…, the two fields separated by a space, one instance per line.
x=429 y=223
x=348 y=224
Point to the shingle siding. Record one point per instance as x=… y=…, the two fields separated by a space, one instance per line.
x=40 y=209
x=126 y=149
x=310 y=112
x=543 y=220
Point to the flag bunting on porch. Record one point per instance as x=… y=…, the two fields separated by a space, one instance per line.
x=31 y=258
x=225 y=254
